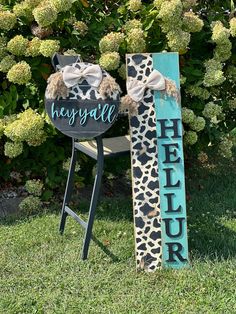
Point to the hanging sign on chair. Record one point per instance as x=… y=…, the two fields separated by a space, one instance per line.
x=157 y=160
x=82 y=100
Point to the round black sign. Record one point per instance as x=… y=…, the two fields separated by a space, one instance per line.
x=84 y=113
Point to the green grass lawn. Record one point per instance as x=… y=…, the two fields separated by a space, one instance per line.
x=41 y=271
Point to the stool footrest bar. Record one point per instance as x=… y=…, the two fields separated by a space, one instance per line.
x=76 y=217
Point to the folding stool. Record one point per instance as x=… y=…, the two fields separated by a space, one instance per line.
x=98 y=149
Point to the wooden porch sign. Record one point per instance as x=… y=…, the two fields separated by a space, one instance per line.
x=82 y=118
x=82 y=100
x=157 y=166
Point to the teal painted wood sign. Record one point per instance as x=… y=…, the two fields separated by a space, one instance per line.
x=157 y=161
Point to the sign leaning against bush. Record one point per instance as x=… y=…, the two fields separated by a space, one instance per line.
x=157 y=160
x=82 y=100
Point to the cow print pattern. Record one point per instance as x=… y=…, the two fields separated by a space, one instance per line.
x=84 y=91
x=146 y=199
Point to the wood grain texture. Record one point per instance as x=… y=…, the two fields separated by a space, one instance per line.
x=144 y=165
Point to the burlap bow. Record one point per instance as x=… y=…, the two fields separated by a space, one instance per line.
x=136 y=88
x=72 y=75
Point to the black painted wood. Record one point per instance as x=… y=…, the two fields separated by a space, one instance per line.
x=63 y=60
x=91 y=128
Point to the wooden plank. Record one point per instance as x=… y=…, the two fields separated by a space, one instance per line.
x=111 y=146
x=171 y=163
x=144 y=165
x=82 y=118
x=157 y=168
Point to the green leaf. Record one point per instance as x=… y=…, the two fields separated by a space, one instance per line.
x=1 y=112
x=4 y=84
x=47 y=195
x=26 y=104
x=75 y=32
x=149 y=25
x=45 y=69
x=2 y=103
x=232 y=6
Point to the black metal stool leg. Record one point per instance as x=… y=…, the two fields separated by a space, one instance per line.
x=95 y=197
x=69 y=187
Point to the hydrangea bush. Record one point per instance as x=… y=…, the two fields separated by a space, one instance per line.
x=31 y=31
x=32 y=203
